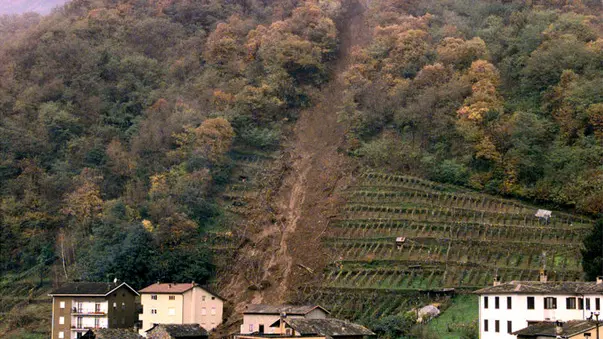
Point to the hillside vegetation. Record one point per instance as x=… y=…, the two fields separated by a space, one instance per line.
x=168 y=139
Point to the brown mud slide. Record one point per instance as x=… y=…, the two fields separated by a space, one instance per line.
x=289 y=246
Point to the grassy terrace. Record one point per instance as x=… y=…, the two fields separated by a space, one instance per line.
x=455 y=238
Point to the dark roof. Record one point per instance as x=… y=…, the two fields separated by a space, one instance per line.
x=536 y=287
x=182 y=330
x=289 y=309
x=328 y=327
x=89 y=288
x=176 y=288
x=548 y=328
x=111 y=333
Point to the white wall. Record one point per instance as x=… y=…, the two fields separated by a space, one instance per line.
x=519 y=315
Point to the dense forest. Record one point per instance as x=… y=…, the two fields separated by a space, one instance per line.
x=502 y=97
x=117 y=117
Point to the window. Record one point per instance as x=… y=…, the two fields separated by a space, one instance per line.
x=570 y=303
x=61 y=320
x=114 y=305
x=97 y=307
x=550 y=303
x=250 y=328
x=61 y=335
x=153 y=311
x=261 y=328
x=96 y=322
x=171 y=311
x=496 y=302
x=508 y=303
x=597 y=304
x=203 y=311
x=485 y=325
x=154 y=297
x=213 y=311
x=509 y=327
x=580 y=303
x=172 y=297
x=203 y=298
x=123 y=306
x=485 y=302
x=62 y=304
x=530 y=303
x=496 y=326
x=588 y=303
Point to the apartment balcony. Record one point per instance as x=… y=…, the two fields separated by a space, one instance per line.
x=84 y=328
x=79 y=311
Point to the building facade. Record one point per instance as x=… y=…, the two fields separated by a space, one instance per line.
x=177 y=303
x=257 y=318
x=509 y=307
x=80 y=306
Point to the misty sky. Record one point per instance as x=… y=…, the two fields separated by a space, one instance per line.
x=22 y=6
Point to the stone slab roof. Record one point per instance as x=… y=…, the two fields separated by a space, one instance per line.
x=536 y=287
x=88 y=288
x=182 y=330
x=329 y=327
x=276 y=310
x=548 y=329
x=111 y=333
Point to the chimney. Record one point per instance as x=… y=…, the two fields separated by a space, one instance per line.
x=496 y=281
x=558 y=328
x=543 y=277
x=599 y=280
x=282 y=323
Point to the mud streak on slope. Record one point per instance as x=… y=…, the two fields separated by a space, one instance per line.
x=306 y=198
x=288 y=246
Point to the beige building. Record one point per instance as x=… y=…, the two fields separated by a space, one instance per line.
x=257 y=318
x=80 y=306
x=177 y=303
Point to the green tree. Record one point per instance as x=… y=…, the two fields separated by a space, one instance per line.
x=592 y=254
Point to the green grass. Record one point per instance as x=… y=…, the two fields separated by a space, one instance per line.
x=463 y=310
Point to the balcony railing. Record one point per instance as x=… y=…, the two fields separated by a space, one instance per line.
x=85 y=328
x=81 y=311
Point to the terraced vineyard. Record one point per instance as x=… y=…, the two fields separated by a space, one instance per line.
x=454 y=238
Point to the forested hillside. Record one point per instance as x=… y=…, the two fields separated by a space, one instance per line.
x=499 y=96
x=166 y=139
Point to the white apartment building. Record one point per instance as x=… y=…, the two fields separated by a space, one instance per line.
x=179 y=303
x=508 y=307
x=257 y=318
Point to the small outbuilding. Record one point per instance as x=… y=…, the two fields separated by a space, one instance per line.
x=177 y=331
x=544 y=215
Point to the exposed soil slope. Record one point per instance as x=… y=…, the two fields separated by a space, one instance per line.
x=287 y=244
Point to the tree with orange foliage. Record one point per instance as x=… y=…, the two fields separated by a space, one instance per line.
x=213 y=139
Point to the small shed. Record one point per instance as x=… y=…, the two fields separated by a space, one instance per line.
x=543 y=215
x=400 y=241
